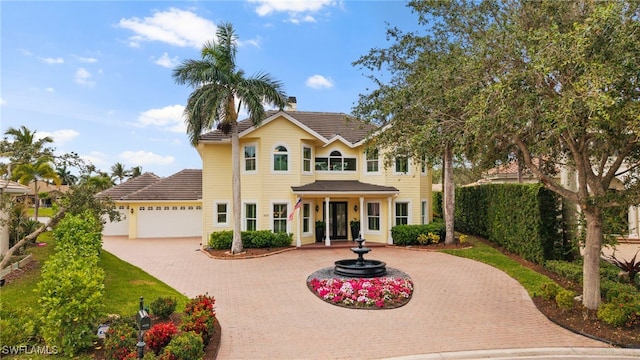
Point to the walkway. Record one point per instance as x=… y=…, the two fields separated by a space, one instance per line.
x=267 y=312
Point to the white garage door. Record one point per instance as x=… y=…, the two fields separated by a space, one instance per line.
x=119 y=228
x=179 y=222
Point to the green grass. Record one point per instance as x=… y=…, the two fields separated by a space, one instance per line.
x=42 y=211
x=124 y=284
x=531 y=280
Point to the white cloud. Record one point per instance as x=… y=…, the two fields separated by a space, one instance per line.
x=83 y=77
x=86 y=59
x=319 y=82
x=53 y=60
x=49 y=89
x=166 y=61
x=169 y=118
x=174 y=26
x=3 y=102
x=96 y=158
x=141 y=157
x=59 y=136
x=266 y=7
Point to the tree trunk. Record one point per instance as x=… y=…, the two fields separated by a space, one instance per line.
x=50 y=224
x=591 y=267
x=236 y=245
x=37 y=199
x=449 y=194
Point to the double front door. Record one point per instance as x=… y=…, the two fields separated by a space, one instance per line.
x=337 y=220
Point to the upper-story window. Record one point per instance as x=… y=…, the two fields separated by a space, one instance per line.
x=372 y=160
x=280 y=158
x=306 y=159
x=336 y=162
x=402 y=164
x=250 y=158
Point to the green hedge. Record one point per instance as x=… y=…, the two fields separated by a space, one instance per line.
x=405 y=235
x=522 y=218
x=220 y=240
x=436 y=204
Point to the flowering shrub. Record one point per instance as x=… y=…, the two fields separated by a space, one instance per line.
x=201 y=302
x=376 y=292
x=186 y=345
x=159 y=336
x=200 y=317
x=120 y=341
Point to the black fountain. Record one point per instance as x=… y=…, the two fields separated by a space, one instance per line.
x=360 y=268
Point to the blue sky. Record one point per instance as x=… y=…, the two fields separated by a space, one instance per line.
x=96 y=75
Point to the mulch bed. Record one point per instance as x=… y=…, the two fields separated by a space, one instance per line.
x=248 y=253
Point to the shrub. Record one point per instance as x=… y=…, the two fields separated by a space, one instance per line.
x=569 y=270
x=186 y=345
x=613 y=289
x=406 y=235
x=622 y=310
x=201 y=302
x=250 y=239
x=159 y=336
x=565 y=299
x=120 y=340
x=163 y=307
x=80 y=234
x=200 y=317
x=549 y=290
x=17 y=326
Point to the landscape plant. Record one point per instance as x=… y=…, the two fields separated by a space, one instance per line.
x=380 y=292
x=159 y=336
x=163 y=307
x=120 y=340
x=186 y=345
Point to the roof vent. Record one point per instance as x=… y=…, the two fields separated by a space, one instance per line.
x=292 y=104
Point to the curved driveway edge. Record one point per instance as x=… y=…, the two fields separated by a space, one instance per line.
x=267 y=312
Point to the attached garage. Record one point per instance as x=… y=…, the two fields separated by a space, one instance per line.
x=158 y=207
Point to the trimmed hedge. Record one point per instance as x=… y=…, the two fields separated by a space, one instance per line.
x=436 y=204
x=220 y=240
x=405 y=235
x=522 y=218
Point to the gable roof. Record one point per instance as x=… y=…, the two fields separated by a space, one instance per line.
x=342 y=186
x=12 y=187
x=132 y=185
x=325 y=126
x=183 y=185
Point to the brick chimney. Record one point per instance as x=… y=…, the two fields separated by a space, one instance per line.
x=292 y=104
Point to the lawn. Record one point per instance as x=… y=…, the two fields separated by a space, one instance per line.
x=42 y=211
x=124 y=284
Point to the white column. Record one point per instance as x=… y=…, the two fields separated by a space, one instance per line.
x=389 y=220
x=361 y=215
x=327 y=240
x=299 y=226
x=633 y=222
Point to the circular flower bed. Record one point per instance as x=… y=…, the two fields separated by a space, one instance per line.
x=363 y=293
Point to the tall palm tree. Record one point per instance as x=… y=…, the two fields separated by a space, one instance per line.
x=65 y=176
x=41 y=169
x=220 y=91
x=119 y=172
x=26 y=142
x=135 y=171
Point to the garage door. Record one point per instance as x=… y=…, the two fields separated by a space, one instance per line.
x=174 y=221
x=119 y=228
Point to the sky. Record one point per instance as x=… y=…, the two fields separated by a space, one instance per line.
x=96 y=75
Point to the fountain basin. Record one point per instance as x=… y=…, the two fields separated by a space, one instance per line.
x=360 y=268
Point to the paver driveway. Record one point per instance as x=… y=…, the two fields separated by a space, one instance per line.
x=267 y=312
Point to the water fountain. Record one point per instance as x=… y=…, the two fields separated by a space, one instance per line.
x=360 y=267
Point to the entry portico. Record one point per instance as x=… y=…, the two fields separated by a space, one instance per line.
x=337 y=197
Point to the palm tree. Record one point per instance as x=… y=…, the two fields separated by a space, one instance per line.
x=65 y=176
x=41 y=169
x=135 y=171
x=119 y=172
x=217 y=86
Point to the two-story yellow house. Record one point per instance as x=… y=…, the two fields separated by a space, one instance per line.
x=320 y=159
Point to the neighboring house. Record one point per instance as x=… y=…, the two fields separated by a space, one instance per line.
x=321 y=159
x=46 y=192
x=151 y=206
x=12 y=189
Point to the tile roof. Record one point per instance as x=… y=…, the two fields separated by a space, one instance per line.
x=326 y=124
x=342 y=186
x=132 y=185
x=12 y=187
x=183 y=185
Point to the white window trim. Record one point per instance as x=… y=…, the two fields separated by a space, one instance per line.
x=286 y=216
x=244 y=163
x=244 y=214
x=409 y=212
x=409 y=165
x=273 y=152
x=311 y=160
x=366 y=164
x=312 y=224
x=426 y=166
x=215 y=214
x=365 y=229
x=426 y=211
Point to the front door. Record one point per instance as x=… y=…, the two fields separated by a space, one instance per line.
x=338 y=220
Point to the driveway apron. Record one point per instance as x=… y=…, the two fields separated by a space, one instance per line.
x=267 y=312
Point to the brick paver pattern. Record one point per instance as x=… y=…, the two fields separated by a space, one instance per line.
x=267 y=312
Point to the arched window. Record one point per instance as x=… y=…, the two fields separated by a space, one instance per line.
x=336 y=162
x=280 y=158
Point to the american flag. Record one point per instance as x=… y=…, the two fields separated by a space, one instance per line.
x=298 y=204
